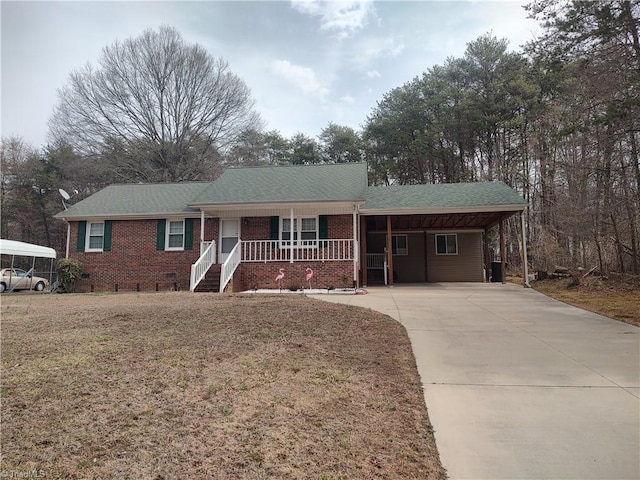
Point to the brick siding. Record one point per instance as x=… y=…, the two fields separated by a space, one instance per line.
x=134 y=263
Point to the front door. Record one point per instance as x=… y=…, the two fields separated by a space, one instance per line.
x=229 y=236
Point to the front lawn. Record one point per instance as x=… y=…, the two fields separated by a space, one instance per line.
x=178 y=385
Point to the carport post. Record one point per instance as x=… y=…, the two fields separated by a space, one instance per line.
x=487 y=262
x=525 y=260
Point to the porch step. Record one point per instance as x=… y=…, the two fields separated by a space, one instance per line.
x=211 y=281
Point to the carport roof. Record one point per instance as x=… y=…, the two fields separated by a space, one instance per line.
x=442 y=198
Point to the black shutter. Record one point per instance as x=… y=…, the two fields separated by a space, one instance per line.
x=188 y=234
x=160 y=233
x=82 y=235
x=275 y=228
x=323 y=229
x=106 y=243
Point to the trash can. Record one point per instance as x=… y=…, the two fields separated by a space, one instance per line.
x=496 y=271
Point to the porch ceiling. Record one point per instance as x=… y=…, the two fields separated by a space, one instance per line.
x=440 y=221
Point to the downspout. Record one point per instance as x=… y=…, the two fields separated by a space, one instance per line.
x=66 y=253
x=525 y=261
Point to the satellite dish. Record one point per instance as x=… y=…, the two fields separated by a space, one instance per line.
x=64 y=194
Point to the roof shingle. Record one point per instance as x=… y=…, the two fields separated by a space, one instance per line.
x=138 y=200
x=309 y=183
x=441 y=196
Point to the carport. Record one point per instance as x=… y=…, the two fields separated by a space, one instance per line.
x=22 y=249
x=412 y=226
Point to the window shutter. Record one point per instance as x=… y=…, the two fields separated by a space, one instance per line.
x=275 y=228
x=188 y=234
x=82 y=236
x=106 y=245
x=160 y=234
x=323 y=229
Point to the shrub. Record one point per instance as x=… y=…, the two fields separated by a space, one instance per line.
x=69 y=271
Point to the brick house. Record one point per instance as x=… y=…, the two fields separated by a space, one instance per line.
x=240 y=230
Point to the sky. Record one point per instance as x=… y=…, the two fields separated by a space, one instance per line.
x=307 y=63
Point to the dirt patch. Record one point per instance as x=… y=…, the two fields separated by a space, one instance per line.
x=179 y=385
x=615 y=296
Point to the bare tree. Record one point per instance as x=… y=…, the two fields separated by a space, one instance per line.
x=158 y=108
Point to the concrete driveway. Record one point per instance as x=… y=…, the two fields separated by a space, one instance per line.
x=520 y=386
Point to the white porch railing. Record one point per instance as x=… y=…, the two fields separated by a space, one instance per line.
x=202 y=266
x=279 y=251
x=229 y=266
x=375 y=261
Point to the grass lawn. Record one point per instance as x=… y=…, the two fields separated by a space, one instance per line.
x=178 y=385
x=617 y=298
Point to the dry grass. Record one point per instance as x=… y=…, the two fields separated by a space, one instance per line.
x=164 y=386
x=615 y=297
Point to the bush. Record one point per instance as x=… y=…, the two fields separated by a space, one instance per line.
x=69 y=271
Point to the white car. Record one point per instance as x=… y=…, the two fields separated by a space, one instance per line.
x=17 y=279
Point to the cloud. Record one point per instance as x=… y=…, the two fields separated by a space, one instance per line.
x=372 y=74
x=347 y=100
x=303 y=78
x=342 y=17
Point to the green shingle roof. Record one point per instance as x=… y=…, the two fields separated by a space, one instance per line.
x=290 y=184
x=443 y=196
x=138 y=200
x=309 y=183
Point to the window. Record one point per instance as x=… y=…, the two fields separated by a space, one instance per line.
x=94 y=236
x=175 y=235
x=305 y=231
x=399 y=245
x=447 y=244
x=308 y=231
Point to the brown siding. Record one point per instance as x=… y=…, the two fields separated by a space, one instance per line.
x=466 y=266
x=410 y=268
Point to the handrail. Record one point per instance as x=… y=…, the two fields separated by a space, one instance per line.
x=229 y=266
x=375 y=261
x=323 y=250
x=202 y=266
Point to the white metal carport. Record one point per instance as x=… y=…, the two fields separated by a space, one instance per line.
x=22 y=249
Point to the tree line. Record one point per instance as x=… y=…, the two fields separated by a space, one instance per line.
x=557 y=121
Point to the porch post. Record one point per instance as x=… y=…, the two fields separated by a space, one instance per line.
x=363 y=251
x=356 y=254
x=291 y=239
x=389 y=251
x=201 y=231
x=502 y=252
x=525 y=261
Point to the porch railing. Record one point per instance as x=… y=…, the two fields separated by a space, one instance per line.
x=229 y=266
x=281 y=251
x=375 y=261
x=202 y=265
